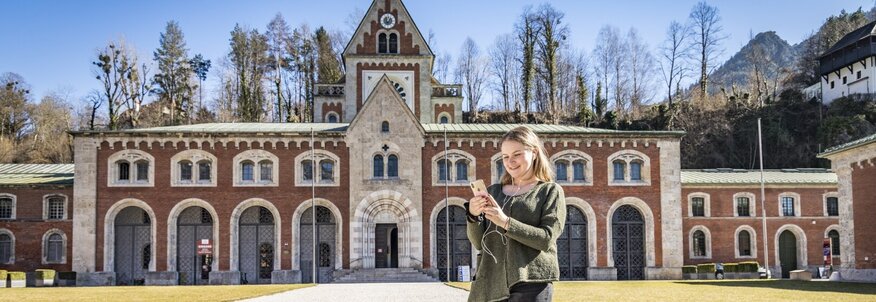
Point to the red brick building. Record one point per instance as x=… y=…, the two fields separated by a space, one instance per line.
x=854 y=165
x=723 y=217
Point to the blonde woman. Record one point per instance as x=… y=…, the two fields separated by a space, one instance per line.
x=515 y=225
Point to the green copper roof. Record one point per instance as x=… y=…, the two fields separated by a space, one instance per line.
x=213 y=128
x=36 y=174
x=849 y=145
x=538 y=128
x=752 y=177
x=216 y=128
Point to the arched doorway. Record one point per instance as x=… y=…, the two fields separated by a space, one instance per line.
x=256 y=247
x=572 y=246
x=325 y=232
x=193 y=225
x=459 y=246
x=628 y=242
x=133 y=246
x=788 y=252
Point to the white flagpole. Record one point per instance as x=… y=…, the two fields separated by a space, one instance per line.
x=446 y=205
x=766 y=254
x=312 y=203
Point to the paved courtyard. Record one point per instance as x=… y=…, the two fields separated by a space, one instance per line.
x=366 y=292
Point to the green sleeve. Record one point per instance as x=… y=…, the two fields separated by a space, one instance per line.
x=474 y=230
x=553 y=219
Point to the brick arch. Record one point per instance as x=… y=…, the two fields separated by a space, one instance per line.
x=235 y=218
x=109 y=232
x=386 y=206
x=172 y=230
x=339 y=230
x=647 y=216
x=588 y=212
x=433 y=224
x=802 y=251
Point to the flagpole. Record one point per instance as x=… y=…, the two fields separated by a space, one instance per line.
x=766 y=254
x=446 y=205
x=313 y=273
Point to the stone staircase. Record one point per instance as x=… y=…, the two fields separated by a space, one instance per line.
x=382 y=275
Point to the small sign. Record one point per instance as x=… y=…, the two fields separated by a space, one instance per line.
x=205 y=247
x=380 y=250
x=827 y=251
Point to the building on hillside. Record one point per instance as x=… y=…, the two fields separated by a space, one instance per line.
x=723 y=217
x=856 y=173
x=849 y=66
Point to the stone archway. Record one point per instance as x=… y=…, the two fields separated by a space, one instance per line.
x=386 y=207
x=109 y=232
x=647 y=217
x=795 y=236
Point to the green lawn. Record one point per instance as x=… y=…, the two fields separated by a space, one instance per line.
x=724 y=290
x=144 y=293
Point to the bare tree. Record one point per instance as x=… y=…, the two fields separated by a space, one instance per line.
x=113 y=68
x=552 y=33
x=608 y=56
x=641 y=71
x=277 y=34
x=471 y=70
x=708 y=31
x=504 y=66
x=48 y=139
x=527 y=33
x=674 y=51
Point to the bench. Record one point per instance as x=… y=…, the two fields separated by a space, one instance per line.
x=801 y=275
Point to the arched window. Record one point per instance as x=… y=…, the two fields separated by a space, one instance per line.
x=444 y=120
x=443 y=169
x=307 y=167
x=332 y=118
x=54 y=249
x=500 y=169
x=744 y=244
x=247 y=169
x=578 y=171
x=698 y=205
x=204 y=171
x=699 y=243
x=834 y=242
x=124 y=169
x=384 y=127
x=185 y=171
x=266 y=171
x=6 y=249
x=142 y=171
x=381 y=43
x=7 y=207
x=619 y=170
x=326 y=170
x=392 y=166
x=56 y=208
x=562 y=173
x=636 y=170
x=462 y=170
x=393 y=43
x=378 y=166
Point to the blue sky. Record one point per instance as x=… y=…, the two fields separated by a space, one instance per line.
x=52 y=43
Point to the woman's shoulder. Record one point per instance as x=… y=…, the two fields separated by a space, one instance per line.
x=550 y=187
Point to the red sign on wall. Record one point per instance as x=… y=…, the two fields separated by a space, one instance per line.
x=827 y=251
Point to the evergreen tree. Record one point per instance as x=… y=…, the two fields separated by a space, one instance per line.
x=328 y=66
x=585 y=114
x=172 y=80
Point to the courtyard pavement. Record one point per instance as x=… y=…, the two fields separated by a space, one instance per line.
x=366 y=292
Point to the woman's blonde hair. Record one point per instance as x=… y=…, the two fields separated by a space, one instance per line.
x=541 y=167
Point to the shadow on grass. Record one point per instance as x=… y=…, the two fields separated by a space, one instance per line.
x=813 y=286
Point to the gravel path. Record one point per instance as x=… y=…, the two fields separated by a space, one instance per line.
x=377 y=292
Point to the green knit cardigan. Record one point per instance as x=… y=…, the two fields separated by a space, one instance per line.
x=530 y=252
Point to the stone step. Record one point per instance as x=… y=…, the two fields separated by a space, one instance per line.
x=383 y=275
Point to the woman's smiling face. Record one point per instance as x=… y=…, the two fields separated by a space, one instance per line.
x=517 y=159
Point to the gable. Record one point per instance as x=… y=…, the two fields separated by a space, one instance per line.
x=364 y=39
x=385 y=104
